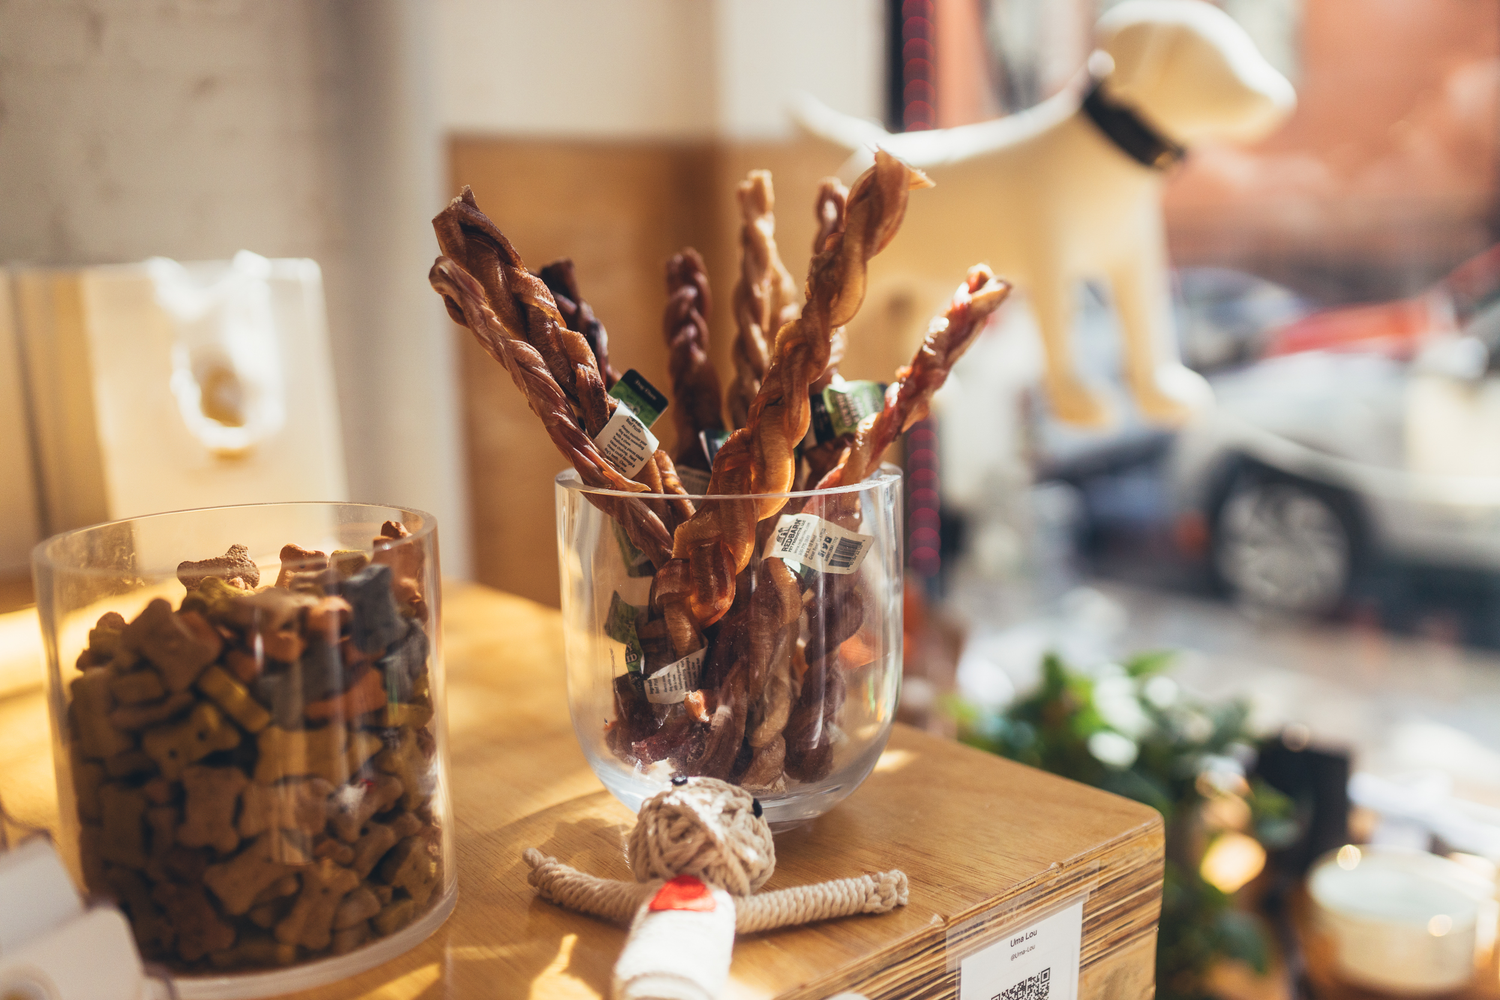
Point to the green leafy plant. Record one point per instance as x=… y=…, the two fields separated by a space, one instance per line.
x=1129 y=730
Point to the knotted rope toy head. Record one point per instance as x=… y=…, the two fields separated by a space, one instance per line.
x=706 y=828
x=702 y=849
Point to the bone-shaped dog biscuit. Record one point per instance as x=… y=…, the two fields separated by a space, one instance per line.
x=212 y=794
x=176 y=746
x=238 y=881
x=310 y=923
x=332 y=753
x=299 y=804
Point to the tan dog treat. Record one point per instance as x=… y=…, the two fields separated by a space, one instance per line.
x=271 y=621
x=152 y=929
x=243 y=665
x=354 y=803
x=162 y=823
x=104 y=637
x=233 y=698
x=328 y=618
x=299 y=804
x=357 y=907
x=158 y=790
x=179 y=645
x=139 y=716
x=377 y=840
x=123 y=813
x=262 y=951
x=185 y=864
x=412 y=865
x=406 y=824
x=265 y=915
x=310 y=924
x=407 y=761
x=394 y=916
x=347 y=562
x=336 y=851
x=174 y=747
x=297 y=562
x=129 y=764
x=367 y=694
x=331 y=753
x=406 y=563
x=88 y=776
x=199 y=929
x=238 y=881
x=93 y=733
x=234 y=567
x=136 y=687
x=285 y=886
x=212 y=794
x=349 y=938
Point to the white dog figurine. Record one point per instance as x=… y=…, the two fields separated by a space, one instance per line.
x=1072 y=188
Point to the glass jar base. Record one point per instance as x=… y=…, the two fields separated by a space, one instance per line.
x=272 y=983
x=783 y=810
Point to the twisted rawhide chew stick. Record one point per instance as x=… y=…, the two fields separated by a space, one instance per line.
x=701 y=848
x=828 y=210
x=465 y=299
x=765 y=297
x=524 y=305
x=760 y=458
x=908 y=399
x=563 y=284
x=697 y=404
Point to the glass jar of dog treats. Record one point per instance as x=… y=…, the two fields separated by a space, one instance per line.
x=780 y=676
x=248 y=726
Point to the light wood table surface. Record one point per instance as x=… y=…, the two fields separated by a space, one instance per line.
x=978 y=836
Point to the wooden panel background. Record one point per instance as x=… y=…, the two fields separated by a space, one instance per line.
x=620 y=210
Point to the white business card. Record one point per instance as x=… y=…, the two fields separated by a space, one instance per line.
x=1036 y=962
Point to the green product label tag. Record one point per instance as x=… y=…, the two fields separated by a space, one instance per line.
x=641 y=396
x=636 y=563
x=619 y=625
x=850 y=402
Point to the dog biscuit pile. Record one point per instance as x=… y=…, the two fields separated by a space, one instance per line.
x=254 y=772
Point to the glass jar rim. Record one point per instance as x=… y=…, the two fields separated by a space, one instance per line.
x=887 y=474
x=42 y=554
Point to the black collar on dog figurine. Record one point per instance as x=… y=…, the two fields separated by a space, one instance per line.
x=1129 y=131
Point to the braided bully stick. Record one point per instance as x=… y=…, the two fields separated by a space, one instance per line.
x=466 y=301
x=760 y=458
x=828 y=210
x=524 y=304
x=908 y=399
x=697 y=403
x=765 y=297
x=563 y=284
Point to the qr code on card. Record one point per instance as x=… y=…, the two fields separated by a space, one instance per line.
x=1038 y=987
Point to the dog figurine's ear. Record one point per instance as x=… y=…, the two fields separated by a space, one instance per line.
x=1188 y=69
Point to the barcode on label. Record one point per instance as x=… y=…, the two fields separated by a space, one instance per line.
x=1037 y=987
x=810 y=541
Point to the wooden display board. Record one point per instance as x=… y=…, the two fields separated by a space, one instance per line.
x=988 y=845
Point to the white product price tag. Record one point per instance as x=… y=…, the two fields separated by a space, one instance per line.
x=671 y=683
x=818 y=544
x=1036 y=962
x=626 y=442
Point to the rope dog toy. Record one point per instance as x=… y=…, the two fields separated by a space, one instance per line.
x=699 y=851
